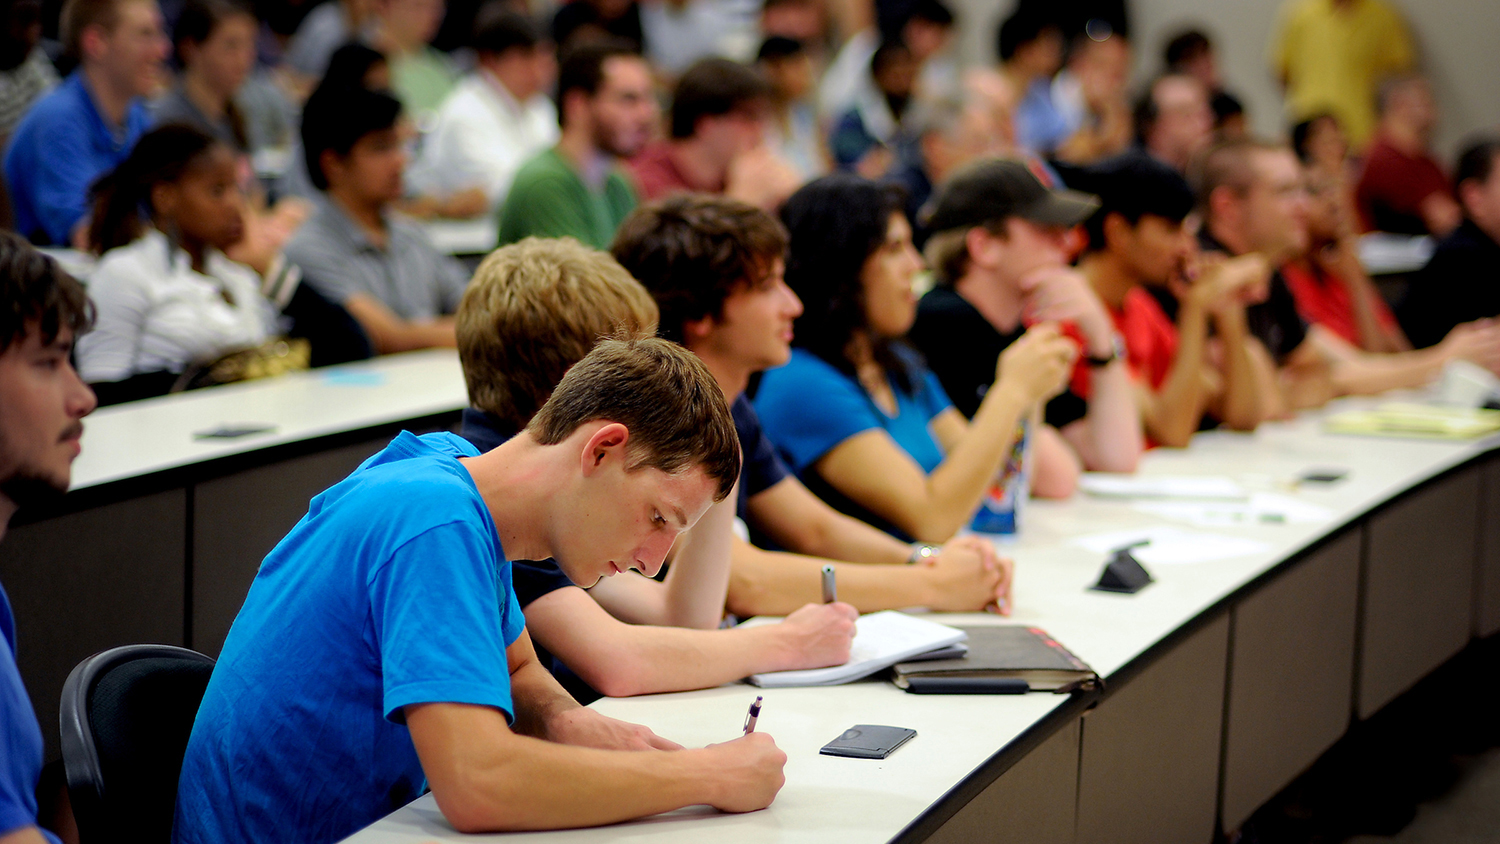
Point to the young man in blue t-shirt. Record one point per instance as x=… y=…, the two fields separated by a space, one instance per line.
x=533 y=310
x=381 y=647
x=86 y=126
x=42 y=401
x=714 y=266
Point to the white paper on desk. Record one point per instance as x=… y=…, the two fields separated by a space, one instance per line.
x=1202 y=487
x=881 y=639
x=1262 y=508
x=1172 y=546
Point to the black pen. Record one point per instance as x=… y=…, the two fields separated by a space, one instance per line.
x=754 y=714
x=830 y=589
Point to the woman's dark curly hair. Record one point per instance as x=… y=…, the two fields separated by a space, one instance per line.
x=836 y=223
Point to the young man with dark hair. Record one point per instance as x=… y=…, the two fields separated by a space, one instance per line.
x=534 y=309
x=717 y=139
x=496 y=119
x=997 y=252
x=577 y=189
x=381 y=646
x=42 y=403
x=714 y=266
x=355 y=250
x=1254 y=199
x=88 y=124
x=1461 y=282
x=1140 y=241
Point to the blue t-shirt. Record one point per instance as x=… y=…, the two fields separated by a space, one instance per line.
x=807 y=407
x=393 y=590
x=1040 y=125
x=63 y=145
x=20 y=737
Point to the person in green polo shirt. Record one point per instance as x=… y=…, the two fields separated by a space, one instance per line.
x=577 y=189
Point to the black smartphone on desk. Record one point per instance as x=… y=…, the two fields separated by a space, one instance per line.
x=868 y=741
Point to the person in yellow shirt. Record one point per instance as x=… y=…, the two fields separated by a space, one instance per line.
x=1331 y=56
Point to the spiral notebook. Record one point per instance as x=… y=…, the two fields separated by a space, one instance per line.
x=881 y=639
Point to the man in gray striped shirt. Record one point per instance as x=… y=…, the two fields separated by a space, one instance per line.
x=379 y=266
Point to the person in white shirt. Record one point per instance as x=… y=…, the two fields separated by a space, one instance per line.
x=497 y=118
x=167 y=296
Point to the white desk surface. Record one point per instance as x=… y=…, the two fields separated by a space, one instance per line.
x=834 y=800
x=138 y=438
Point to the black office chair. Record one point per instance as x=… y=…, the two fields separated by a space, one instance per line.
x=126 y=716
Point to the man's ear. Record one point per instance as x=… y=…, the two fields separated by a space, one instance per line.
x=1116 y=230
x=606 y=444
x=164 y=198
x=330 y=161
x=92 y=41
x=694 y=330
x=1223 y=204
x=984 y=247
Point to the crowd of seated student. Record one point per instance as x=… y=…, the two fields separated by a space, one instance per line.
x=857 y=414
x=998 y=251
x=715 y=267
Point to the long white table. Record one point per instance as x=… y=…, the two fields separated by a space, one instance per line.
x=1224 y=679
x=163 y=531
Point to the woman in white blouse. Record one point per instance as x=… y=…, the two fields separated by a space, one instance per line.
x=167 y=296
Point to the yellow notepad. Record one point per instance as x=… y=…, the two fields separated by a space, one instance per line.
x=1416 y=420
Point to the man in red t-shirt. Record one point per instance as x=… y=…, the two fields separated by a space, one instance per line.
x=1139 y=241
x=718 y=116
x=1401 y=188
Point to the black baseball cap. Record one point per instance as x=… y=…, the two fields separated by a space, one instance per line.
x=993 y=189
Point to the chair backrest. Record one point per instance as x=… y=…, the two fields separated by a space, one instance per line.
x=126 y=716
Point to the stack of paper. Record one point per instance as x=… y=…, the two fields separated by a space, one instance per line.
x=881 y=640
x=1415 y=420
x=1206 y=487
x=1170 y=546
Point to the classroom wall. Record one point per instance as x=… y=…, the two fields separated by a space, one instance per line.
x=1459 y=41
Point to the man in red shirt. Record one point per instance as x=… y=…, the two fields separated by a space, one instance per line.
x=717 y=144
x=1401 y=188
x=1140 y=240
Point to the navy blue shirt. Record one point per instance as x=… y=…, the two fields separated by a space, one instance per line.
x=63 y=145
x=20 y=737
x=762 y=467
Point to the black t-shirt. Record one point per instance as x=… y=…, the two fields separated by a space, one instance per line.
x=761 y=467
x=1275 y=322
x=1460 y=283
x=962 y=349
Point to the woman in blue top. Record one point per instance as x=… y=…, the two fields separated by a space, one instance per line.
x=856 y=412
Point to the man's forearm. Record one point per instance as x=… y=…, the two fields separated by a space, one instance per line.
x=1177 y=407
x=485 y=780
x=1113 y=422
x=769 y=583
x=1244 y=404
x=535 y=694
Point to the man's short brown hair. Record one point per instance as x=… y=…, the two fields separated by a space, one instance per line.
x=534 y=309
x=37 y=295
x=79 y=15
x=692 y=251
x=665 y=397
x=1227 y=164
